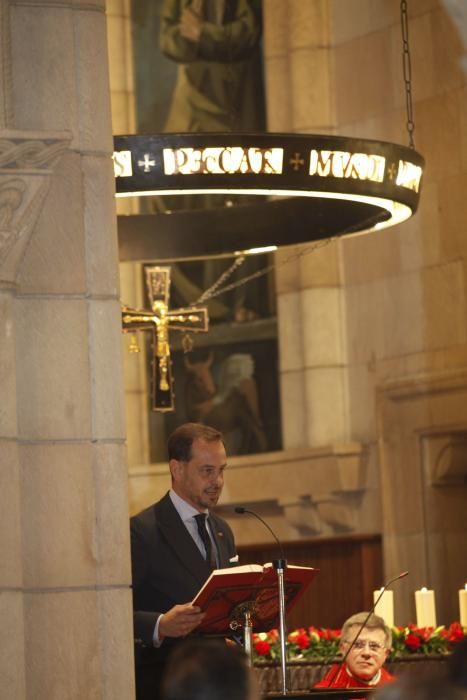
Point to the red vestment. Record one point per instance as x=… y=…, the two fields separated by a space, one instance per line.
x=343 y=678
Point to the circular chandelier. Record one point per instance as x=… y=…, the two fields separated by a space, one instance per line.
x=327 y=186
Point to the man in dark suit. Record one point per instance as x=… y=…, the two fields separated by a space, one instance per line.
x=174 y=548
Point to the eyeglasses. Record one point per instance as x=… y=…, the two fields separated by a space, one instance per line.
x=360 y=644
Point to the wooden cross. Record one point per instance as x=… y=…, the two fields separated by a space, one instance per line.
x=160 y=320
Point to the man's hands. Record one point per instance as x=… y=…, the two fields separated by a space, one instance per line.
x=180 y=620
x=190 y=25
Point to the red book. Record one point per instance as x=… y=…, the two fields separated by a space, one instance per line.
x=227 y=593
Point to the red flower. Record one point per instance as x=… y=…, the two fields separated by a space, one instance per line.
x=274 y=635
x=455 y=632
x=330 y=634
x=412 y=642
x=425 y=633
x=314 y=634
x=262 y=647
x=293 y=636
x=302 y=640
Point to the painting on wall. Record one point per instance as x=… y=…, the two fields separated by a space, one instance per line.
x=199 y=68
x=198 y=65
x=232 y=387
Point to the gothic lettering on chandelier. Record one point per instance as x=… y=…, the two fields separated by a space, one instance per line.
x=342 y=164
x=253 y=160
x=122 y=164
x=229 y=160
x=409 y=175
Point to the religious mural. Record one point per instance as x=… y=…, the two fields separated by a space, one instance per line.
x=231 y=388
x=198 y=65
x=198 y=68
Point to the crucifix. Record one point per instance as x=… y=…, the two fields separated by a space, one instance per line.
x=159 y=320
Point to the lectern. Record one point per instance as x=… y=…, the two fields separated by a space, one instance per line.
x=254 y=598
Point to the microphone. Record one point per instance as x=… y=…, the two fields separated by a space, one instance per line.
x=241 y=510
x=362 y=627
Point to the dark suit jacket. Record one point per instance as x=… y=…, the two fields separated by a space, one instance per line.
x=167 y=566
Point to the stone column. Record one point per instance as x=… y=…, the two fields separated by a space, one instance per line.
x=64 y=596
x=25 y=169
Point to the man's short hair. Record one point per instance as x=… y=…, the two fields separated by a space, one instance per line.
x=181 y=440
x=207 y=669
x=374 y=622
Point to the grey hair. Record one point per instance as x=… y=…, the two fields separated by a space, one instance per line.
x=374 y=622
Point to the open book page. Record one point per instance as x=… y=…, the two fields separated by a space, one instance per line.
x=270 y=565
x=243 y=569
x=257 y=568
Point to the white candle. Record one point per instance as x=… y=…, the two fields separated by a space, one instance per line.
x=425 y=607
x=463 y=606
x=385 y=606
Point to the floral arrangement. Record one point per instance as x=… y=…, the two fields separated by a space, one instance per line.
x=425 y=640
x=317 y=643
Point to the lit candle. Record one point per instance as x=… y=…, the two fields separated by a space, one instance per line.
x=463 y=606
x=385 y=606
x=425 y=607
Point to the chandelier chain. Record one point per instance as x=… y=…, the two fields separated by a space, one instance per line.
x=269 y=268
x=213 y=290
x=216 y=289
x=407 y=71
x=242 y=281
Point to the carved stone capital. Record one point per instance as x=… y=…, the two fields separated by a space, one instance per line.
x=27 y=161
x=338 y=514
x=303 y=515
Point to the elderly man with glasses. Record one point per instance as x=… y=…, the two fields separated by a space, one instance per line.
x=364 y=657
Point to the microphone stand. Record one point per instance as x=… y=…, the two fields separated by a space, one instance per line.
x=280 y=566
